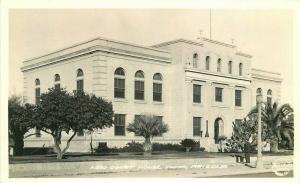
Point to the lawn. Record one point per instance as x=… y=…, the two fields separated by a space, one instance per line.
x=78 y=157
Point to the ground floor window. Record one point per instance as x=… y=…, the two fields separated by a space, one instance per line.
x=37 y=132
x=119 y=124
x=238 y=98
x=80 y=133
x=219 y=94
x=139 y=90
x=197 y=126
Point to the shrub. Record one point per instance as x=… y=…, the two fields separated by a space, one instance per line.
x=138 y=147
x=132 y=147
x=189 y=143
x=167 y=147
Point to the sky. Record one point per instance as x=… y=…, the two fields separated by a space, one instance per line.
x=264 y=33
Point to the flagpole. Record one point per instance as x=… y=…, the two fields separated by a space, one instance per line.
x=209 y=23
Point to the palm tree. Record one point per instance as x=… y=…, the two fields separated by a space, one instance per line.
x=274 y=117
x=147 y=126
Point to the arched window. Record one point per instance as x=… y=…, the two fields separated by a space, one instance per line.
x=37 y=82
x=207 y=60
x=79 y=82
x=139 y=86
x=269 y=97
x=37 y=102
x=195 y=60
x=240 y=69
x=57 y=81
x=219 y=65
x=119 y=83
x=230 y=67
x=79 y=72
x=259 y=91
x=157 y=87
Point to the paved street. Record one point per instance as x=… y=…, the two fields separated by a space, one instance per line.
x=259 y=175
x=173 y=165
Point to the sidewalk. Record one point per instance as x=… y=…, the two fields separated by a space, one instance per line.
x=185 y=167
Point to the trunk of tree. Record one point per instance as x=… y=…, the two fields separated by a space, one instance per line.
x=273 y=146
x=287 y=135
x=147 y=146
x=18 y=144
x=57 y=142
x=57 y=148
x=91 y=144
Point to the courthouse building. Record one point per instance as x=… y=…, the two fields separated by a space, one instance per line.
x=198 y=87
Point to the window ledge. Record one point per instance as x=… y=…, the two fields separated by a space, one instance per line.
x=157 y=103
x=220 y=105
x=197 y=104
x=140 y=101
x=120 y=100
x=239 y=107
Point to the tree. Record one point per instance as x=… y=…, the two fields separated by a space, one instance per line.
x=273 y=116
x=19 y=122
x=243 y=131
x=60 y=111
x=147 y=126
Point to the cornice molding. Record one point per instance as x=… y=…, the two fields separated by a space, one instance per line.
x=94 y=49
x=218 y=75
x=181 y=40
x=243 y=54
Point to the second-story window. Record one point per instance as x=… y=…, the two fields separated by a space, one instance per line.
x=219 y=65
x=195 y=60
x=207 y=60
x=119 y=83
x=157 y=87
x=79 y=82
x=139 y=86
x=196 y=93
x=240 y=69
x=218 y=94
x=259 y=91
x=37 y=91
x=230 y=67
x=269 y=97
x=37 y=101
x=56 y=81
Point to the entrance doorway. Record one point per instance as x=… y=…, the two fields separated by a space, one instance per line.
x=218 y=129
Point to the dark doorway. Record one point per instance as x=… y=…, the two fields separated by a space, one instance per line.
x=217 y=125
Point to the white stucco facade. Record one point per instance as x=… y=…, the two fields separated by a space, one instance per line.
x=180 y=70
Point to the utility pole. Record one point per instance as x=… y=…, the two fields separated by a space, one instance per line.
x=259 y=163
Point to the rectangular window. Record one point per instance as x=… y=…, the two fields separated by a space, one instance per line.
x=37 y=132
x=79 y=86
x=139 y=90
x=80 y=133
x=238 y=98
x=119 y=125
x=218 y=94
x=37 y=96
x=57 y=86
x=196 y=93
x=160 y=118
x=157 y=92
x=119 y=88
x=269 y=100
x=238 y=120
x=197 y=126
x=136 y=118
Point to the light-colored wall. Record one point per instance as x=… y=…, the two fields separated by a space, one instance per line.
x=177 y=107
